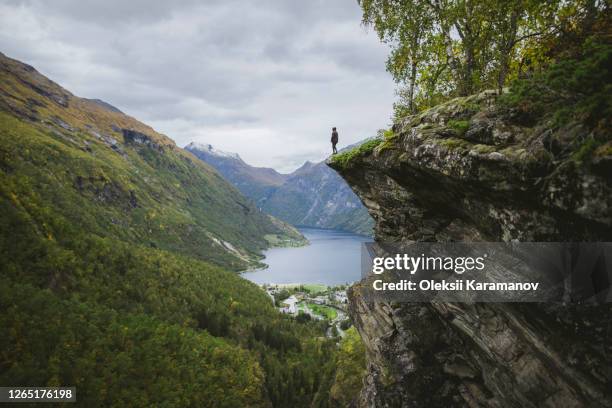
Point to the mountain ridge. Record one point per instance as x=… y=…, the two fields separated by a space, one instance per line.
x=311 y=196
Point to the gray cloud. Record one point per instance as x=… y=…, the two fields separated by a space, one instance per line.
x=265 y=78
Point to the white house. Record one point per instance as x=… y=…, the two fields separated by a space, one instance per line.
x=341 y=297
x=289 y=305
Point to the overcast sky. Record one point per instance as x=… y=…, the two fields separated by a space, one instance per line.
x=264 y=78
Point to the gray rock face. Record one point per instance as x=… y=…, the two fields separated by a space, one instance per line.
x=139 y=138
x=497 y=181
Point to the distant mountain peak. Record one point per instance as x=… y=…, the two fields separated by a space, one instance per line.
x=210 y=149
x=307 y=166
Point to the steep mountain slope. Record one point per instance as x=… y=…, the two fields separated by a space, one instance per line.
x=475 y=169
x=254 y=182
x=315 y=196
x=312 y=196
x=109 y=237
x=118 y=177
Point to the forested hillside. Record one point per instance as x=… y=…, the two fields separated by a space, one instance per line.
x=118 y=255
x=115 y=176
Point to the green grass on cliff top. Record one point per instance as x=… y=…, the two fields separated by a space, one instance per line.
x=344 y=159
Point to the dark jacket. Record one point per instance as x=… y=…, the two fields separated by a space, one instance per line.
x=334 y=138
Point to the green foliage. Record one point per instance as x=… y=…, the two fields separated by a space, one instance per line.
x=389 y=134
x=604 y=150
x=575 y=87
x=137 y=283
x=315 y=288
x=156 y=199
x=586 y=149
x=343 y=160
x=443 y=49
x=574 y=92
x=346 y=324
x=284 y=241
x=350 y=369
x=117 y=359
x=459 y=126
x=454 y=143
x=388 y=137
x=324 y=311
x=75 y=155
x=280 y=296
x=303 y=317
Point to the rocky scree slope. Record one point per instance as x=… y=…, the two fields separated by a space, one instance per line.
x=469 y=171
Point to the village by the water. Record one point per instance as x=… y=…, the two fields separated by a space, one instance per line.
x=313 y=302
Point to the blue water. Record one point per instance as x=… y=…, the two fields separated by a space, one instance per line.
x=332 y=258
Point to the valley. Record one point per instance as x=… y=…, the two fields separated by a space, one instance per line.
x=143 y=274
x=311 y=196
x=120 y=254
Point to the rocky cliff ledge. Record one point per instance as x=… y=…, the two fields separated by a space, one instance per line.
x=469 y=171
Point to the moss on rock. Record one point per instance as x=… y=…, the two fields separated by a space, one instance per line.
x=343 y=160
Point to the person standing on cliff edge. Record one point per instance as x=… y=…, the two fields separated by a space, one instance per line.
x=334 y=140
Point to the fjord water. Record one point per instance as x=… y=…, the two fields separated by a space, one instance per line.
x=332 y=258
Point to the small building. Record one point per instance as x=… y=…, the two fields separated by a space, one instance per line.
x=289 y=305
x=341 y=296
x=320 y=300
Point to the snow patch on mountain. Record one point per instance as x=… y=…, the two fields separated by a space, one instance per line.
x=208 y=148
